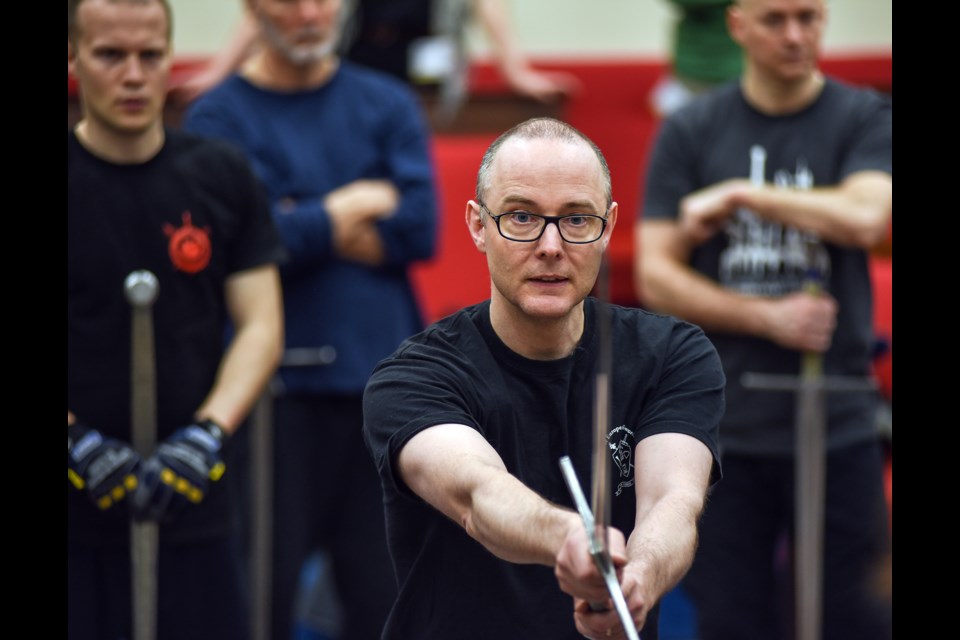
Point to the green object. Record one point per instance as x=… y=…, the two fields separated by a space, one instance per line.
x=704 y=54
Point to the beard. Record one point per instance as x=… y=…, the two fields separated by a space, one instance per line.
x=300 y=54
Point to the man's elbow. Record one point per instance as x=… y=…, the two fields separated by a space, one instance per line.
x=875 y=231
x=871 y=199
x=869 y=227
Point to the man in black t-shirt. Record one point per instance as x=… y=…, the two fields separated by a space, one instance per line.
x=467 y=421
x=191 y=212
x=750 y=191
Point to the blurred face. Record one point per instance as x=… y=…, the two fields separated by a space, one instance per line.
x=781 y=37
x=302 y=31
x=546 y=278
x=121 y=60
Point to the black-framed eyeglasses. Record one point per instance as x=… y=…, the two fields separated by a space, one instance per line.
x=523 y=226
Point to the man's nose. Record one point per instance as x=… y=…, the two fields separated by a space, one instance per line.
x=309 y=9
x=133 y=70
x=550 y=240
x=794 y=31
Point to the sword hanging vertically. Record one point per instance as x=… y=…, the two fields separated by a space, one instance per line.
x=810 y=387
x=141 y=289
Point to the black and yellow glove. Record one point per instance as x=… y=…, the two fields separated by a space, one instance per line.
x=180 y=471
x=105 y=468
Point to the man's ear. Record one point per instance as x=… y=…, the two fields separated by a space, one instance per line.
x=735 y=23
x=473 y=216
x=71 y=56
x=611 y=223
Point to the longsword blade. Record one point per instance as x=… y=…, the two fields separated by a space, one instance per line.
x=141 y=289
x=600 y=497
x=601 y=555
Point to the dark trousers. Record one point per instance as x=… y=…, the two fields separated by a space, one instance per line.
x=199 y=592
x=327 y=496
x=741 y=583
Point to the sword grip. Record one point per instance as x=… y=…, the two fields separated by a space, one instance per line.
x=811 y=365
x=602 y=562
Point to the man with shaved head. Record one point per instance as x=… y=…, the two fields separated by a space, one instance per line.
x=467 y=421
x=761 y=202
x=141 y=197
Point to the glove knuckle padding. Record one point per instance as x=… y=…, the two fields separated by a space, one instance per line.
x=103 y=466
x=179 y=471
x=183 y=460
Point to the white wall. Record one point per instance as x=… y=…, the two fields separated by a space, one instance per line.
x=570 y=29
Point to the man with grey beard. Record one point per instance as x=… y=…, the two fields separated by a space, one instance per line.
x=344 y=155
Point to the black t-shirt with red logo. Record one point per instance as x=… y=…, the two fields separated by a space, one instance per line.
x=193 y=215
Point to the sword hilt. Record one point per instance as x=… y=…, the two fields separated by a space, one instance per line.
x=141 y=288
x=604 y=564
x=811 y=366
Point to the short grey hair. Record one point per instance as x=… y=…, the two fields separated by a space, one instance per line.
x=541 y=129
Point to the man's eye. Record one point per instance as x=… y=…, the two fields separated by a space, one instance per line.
x=576 y=221
x=109 y=55
x=522 y=217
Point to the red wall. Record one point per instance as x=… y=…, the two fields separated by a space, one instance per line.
x=614 y=111
x=457 y=276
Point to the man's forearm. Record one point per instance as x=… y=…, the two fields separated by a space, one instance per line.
x=662 y=546
x=454 y=469
x=671 y=485
x=516 y=524
x=255 y=351
x=854 y=214
x=680 y=291
x=246 y=369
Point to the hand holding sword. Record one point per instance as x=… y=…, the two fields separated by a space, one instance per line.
x=600 y=552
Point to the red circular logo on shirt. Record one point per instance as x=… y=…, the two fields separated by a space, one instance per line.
x=189 y=246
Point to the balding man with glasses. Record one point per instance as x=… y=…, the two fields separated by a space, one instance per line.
x=468 y=420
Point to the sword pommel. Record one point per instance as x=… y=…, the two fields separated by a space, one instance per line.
x=141 y=288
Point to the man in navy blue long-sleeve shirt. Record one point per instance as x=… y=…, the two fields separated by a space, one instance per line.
x=345 y=157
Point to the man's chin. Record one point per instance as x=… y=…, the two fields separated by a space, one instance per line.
x=797 y=71
x=134 y=126
x=304 y=55
x=547 y=307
